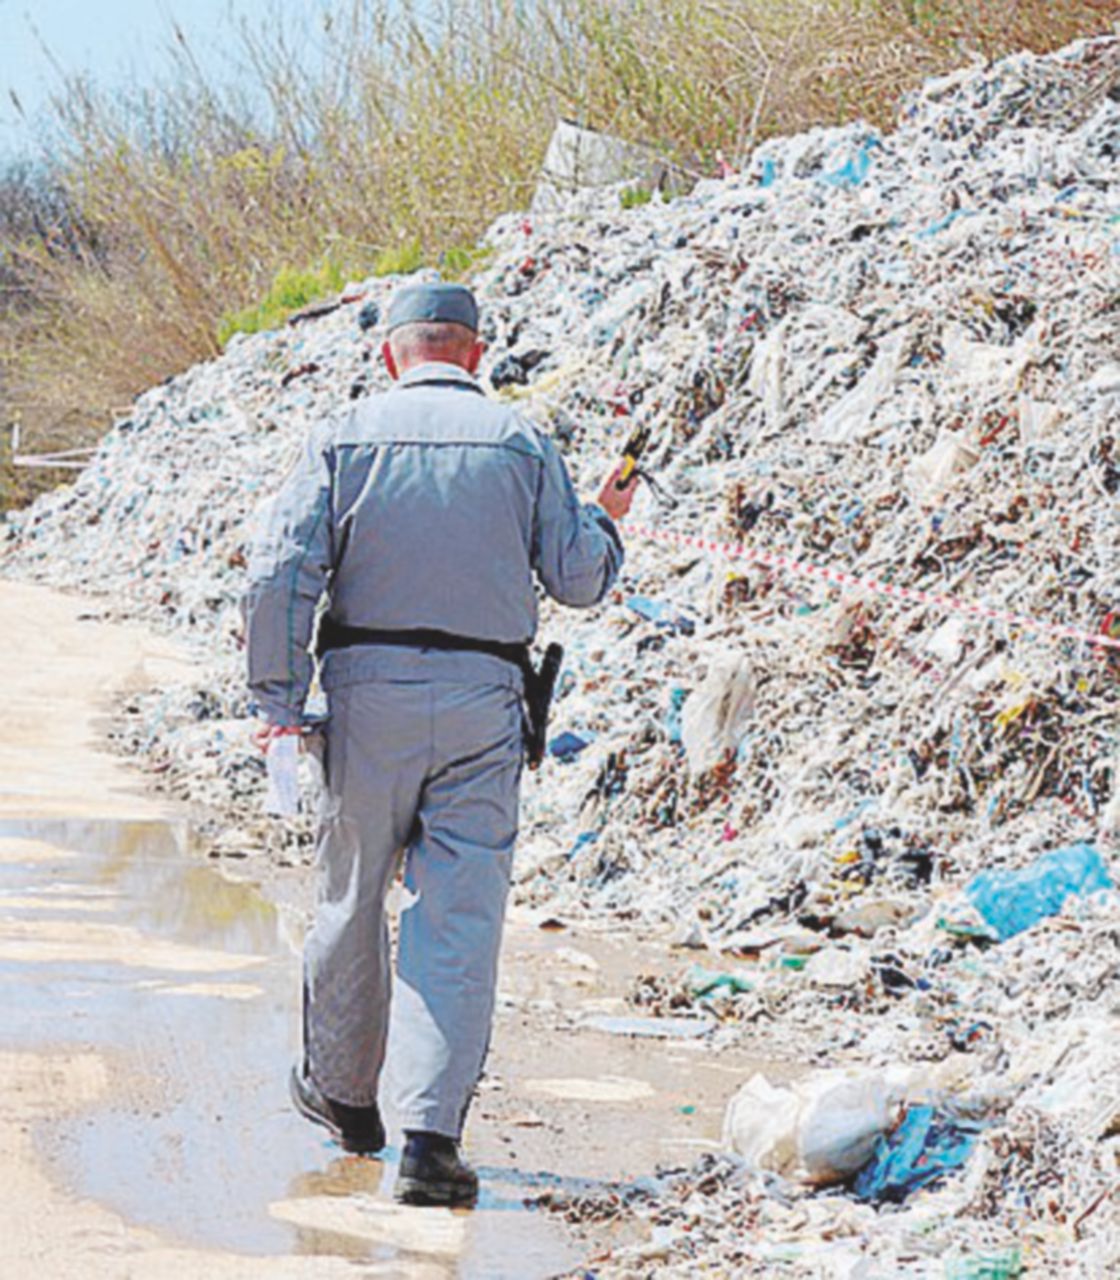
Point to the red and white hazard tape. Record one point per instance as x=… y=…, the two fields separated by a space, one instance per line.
x=840 y=578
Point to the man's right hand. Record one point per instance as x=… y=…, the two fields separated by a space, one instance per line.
x=265 y=734
x=615 y=501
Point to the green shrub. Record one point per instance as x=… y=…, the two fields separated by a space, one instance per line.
x=401 y=261
x=290 y=291
x=457 y=262
x=635 y=197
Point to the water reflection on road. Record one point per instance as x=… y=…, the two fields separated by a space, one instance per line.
x=115 y=938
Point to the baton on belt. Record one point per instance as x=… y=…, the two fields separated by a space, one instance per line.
x=540 y=685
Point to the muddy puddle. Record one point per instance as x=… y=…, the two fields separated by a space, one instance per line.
x=119 y=946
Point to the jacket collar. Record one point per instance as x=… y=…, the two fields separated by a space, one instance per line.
x=438 y=371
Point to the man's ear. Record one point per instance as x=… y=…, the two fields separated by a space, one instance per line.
x=390 y=361
x=478 y=350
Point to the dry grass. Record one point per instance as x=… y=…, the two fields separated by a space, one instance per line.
x=415 y=130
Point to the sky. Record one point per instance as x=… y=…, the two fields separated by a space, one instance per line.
x=115 y=41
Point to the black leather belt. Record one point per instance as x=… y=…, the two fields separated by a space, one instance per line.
x=337 y=635
x=539 y=684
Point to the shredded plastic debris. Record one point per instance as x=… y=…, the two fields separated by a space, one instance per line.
x=893 y=358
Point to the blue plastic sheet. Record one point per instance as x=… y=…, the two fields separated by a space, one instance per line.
x=943 y=224
x=677 y=698
x=566 y=746
x=1012 y=901
x=661 y=614
x=582 y=840
x=855 y=169
x=922 y=1149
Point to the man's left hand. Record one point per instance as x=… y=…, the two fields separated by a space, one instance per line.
x=616 y=501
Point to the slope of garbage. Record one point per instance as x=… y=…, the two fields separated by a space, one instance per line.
x=848 y=727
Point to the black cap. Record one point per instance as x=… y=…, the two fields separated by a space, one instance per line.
x=433 y=303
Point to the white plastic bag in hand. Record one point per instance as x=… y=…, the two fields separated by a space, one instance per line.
x=282 y=799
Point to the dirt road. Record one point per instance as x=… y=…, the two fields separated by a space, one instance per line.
x=152 y=1014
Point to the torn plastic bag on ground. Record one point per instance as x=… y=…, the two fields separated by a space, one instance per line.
x=925 y=1146
x=819 y=1130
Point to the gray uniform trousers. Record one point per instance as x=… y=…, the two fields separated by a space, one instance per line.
x=422 y=755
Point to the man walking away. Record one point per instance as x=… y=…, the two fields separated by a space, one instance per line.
x=427 y=514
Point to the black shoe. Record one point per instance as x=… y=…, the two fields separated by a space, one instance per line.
x=432 y=1172
x=358 y=1129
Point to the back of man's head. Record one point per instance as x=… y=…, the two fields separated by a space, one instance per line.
x=427 y=340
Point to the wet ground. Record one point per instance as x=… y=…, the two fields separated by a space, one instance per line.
x=117 y=943
x=151 y=1015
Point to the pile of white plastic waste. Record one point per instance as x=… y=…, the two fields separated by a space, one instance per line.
x=848 y=726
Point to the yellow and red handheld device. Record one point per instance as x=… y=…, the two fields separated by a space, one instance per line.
x=631 y=455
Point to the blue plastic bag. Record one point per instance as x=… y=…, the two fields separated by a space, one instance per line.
x=943 y=224
x=567 y=745
x=922 y=1149
x=661 y=614
x=855 y=168
x=677 y=698
x=1012 y=901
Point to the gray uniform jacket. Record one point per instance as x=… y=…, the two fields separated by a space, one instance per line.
x=427 y=506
